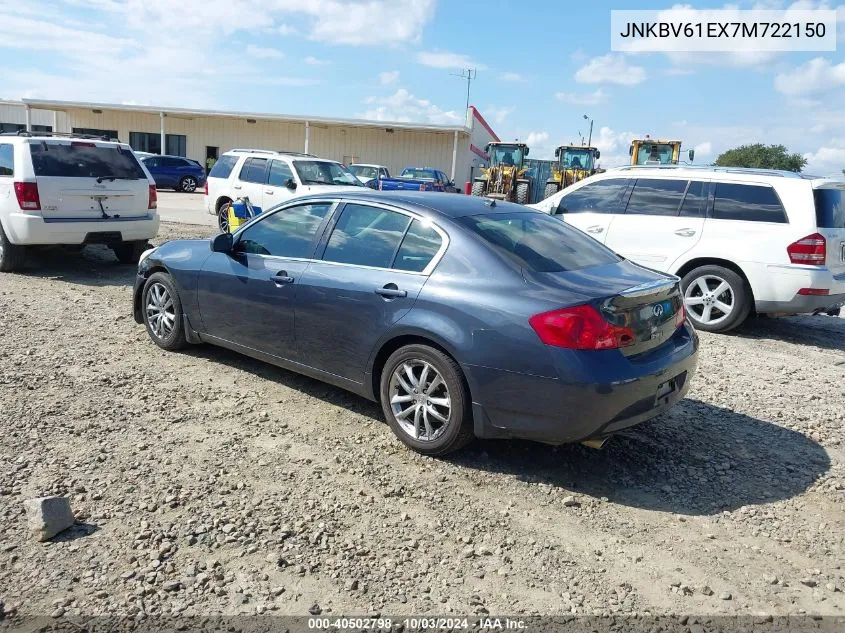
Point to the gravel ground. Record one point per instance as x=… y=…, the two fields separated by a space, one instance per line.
x=208 y=483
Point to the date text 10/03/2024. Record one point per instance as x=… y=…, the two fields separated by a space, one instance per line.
x=423 y=623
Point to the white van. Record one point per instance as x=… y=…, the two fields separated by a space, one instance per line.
x=740 y=239
x=73 y=190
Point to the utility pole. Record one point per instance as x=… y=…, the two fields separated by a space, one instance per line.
x=469 y=74
x=590 y=140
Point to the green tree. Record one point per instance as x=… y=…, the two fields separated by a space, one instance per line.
x=762 y=157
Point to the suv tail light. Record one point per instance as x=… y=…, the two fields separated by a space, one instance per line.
x=808 y=250
x=153 y=198
x=27 y=194
x=580 y=327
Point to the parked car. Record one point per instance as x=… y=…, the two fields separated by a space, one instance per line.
x=418 y=179
x=73 y=190
x=176 y=172
x=741 y=240
x=463 y=317
x=268 y=178
x=366 y=173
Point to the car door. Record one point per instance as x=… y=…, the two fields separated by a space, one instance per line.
x=663 y=219
x=174 y=169
x=373 y=265
x=247 y=296
x=252 y=180
x=153 y=165
x=592 y=206
x=279 y=177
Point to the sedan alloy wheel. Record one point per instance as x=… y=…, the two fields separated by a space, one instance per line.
x=420 y=401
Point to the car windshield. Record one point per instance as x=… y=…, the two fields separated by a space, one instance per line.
x=655 y=154
x=420 y=174
x=505 y=155
x=577 y=159
x=318 y=172
x=79 y=159
x=539 y=242
x=364 y=171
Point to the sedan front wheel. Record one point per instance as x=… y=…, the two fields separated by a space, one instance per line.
x=162 y=312
x=425 y=400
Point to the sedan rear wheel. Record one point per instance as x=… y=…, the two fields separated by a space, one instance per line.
x=425 y=401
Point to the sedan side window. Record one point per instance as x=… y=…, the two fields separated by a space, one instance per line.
x=419 y=247
x=289 y=232
x=604 y=196
x=279 y=174
x=366 y=236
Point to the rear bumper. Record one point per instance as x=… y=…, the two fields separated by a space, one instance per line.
x=801 y=304
x=24 y=229
x=595 y=398
x=776 y=289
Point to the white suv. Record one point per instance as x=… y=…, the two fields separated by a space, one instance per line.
x=268 y=178
x=73 y=190
x=740 y=239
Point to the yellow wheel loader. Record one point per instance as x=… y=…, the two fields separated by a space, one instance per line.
x=507 y=177
x=574 y=163
x=648 y=151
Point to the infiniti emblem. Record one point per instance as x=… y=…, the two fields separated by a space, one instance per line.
x=657 y=310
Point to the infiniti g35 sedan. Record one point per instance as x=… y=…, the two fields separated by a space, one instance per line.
x=462 y=317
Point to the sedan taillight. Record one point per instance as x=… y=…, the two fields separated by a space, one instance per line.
x=580 y=327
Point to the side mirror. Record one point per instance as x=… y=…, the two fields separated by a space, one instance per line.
x=631 y=150
x=222 y=243
x=598 y=155
x=526 y=151
x=557 y=152
x=691 y=155
x=290 y=184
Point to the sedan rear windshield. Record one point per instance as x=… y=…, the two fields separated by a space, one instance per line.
x=539 y=242
x=830 y=208
x=84 y=160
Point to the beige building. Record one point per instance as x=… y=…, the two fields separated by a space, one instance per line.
x=199 y=134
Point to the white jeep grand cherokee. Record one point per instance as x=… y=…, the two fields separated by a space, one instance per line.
x=740 y=239
x=73 y=190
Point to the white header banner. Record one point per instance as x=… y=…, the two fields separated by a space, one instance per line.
x=722 y=30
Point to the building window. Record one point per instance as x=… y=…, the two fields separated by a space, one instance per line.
x=176 y=144
x=20 y=127
x=90 y=131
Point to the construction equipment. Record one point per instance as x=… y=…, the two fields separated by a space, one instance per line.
x=574 y=163
x=649 y=151
x=507 y=177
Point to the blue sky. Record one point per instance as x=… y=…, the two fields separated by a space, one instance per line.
x=541 y=67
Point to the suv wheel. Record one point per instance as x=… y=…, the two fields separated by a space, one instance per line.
x=188 y=184
x=129 y=252
x=425 y=400
x=716 y=298
x=12 y=256
x=223 y=217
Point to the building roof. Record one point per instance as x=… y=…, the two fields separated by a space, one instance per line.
x=45 y=104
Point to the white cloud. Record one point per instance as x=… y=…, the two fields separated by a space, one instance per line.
x=817 y=75
x=610 y=68
x=388 y=77
x=587 y=98
x=826 y=161
x=260 y=52
x=402 y=106
x=511 y=76
x=679 y=72
x=445 y=59
x=704 y=149
x=538 y=143
x=313 y=61
x=497 y=114
x=614 y=146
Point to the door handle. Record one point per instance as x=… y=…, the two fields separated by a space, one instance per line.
x=391 y=291
x=281 y=278
x=596 y=228
x=236 y=187
x=269 y=192
x=685 y=232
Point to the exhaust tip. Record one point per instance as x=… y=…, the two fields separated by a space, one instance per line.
x=595 y=443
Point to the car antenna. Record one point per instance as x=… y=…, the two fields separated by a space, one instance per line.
x=491 y=203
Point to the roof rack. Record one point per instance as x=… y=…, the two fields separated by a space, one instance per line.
x=62 y=134
x=275 y=152
x=726 y=170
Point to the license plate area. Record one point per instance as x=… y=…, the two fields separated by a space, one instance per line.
x=665 y=390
